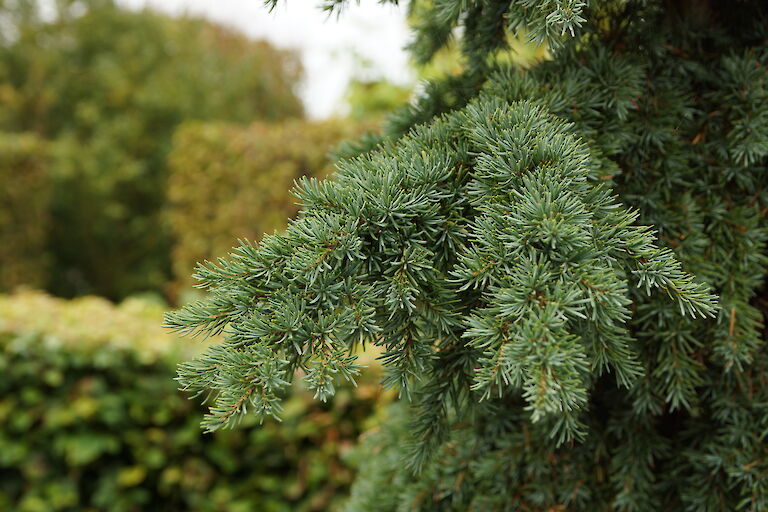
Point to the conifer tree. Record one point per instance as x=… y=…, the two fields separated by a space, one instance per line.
x=563 y=265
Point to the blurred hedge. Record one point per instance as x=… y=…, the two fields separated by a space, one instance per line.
x=90 y=423
x=108 y=86
x=24 y=195
x=228 y=182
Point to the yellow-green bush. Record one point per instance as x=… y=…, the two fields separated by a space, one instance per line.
x=92 y=322
x=90 y=421
x=229 y=182
x=24 y=193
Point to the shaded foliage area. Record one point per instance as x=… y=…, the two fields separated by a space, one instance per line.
x=24 y=217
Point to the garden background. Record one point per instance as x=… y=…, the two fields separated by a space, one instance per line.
x=133 y=145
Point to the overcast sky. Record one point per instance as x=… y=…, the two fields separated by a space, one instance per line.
x=330 y=47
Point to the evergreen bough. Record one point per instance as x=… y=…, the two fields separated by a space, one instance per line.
x=521 y=245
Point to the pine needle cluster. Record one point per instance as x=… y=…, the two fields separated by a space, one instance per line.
x=522 y=245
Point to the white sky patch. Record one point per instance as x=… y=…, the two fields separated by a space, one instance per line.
x=332 y=49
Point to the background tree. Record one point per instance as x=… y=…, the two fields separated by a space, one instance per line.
x=108 y=86
x=518 y=242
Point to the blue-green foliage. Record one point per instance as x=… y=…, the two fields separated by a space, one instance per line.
x=523 y=258
x=480 y=223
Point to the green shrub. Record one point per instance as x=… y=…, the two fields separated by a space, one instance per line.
x=228 y=182
x=90 y=422
x=24 y=194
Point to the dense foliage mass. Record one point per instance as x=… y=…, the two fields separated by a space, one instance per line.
x=92 y=420
x=521 y=244
x=24 y=196
x=107 y=87
x=230 y=182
